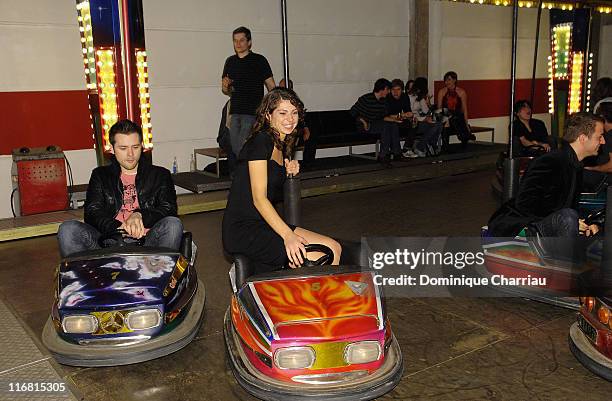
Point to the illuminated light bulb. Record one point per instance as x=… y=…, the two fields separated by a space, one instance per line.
x=81 y=29
x=82 y=40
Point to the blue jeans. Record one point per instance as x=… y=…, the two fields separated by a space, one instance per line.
x=74 y=236
x=240 y=128
x=389 y=137
x=430 y=133
x=562 y=223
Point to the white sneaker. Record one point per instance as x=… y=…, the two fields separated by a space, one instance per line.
x=410 y=154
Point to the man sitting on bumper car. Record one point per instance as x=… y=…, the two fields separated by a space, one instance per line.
x=130 y=194
x=548 y=194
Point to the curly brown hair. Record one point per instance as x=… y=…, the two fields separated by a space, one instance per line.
x=262 y=124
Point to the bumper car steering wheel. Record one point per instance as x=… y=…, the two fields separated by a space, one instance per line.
x=119 y=238
x=326 y=259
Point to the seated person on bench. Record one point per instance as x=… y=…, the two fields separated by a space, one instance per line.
x=531 y=133
x=251 y=225
x=398 y=104
x=548 y=194
x=129 y=194
x=372 y=117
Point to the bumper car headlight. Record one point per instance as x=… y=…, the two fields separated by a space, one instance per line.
x=362 y=352
x=143 y=319
x=294 y=357
x=80 y=324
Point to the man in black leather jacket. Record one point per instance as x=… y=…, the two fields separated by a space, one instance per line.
x=548 y=193
x=129 y=194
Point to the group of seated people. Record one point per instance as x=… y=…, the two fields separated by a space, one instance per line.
x=395 y=111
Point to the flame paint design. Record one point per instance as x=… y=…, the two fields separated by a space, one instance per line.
x=316 y=298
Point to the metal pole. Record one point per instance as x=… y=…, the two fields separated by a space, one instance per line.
x=292 y=189
x=127 y=51
x=535 y=52
x=285 y=42
x=511 y=164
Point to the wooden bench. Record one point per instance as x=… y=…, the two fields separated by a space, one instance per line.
x=476 y=130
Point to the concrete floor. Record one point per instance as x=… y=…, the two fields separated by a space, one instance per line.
x=454 y=349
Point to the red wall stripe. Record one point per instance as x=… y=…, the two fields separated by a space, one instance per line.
x=36 y=119
x=491 y=97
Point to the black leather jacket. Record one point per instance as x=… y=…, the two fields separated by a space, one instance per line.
x=552 y=182
x=156 y=195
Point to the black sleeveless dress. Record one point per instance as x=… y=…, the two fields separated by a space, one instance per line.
x=244 y=230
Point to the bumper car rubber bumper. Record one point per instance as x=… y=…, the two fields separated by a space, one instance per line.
x=261 y=386
x=587 y=355
x=108 y=355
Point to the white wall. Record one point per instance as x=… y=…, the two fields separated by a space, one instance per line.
x=41 y=51
x=476 y=41
x=337 y=49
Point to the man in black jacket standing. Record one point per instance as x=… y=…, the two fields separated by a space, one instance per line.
x=129 y=194
x=548 y=193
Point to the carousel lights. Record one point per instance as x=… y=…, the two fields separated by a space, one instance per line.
x=588 y=86
x=576 y=83
x=83 y=15
x=108 y=96
x=551 y=86
x=561 y=45
x=562 y=5
x=143 y=97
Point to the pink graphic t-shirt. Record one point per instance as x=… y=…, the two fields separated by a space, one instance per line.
x=130 y=198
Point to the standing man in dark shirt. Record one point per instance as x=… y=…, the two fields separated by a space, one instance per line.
x=372 y=117
x=244 y=75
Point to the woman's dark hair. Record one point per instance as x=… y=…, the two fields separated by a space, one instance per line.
x=451 y=74
x=520 y=104
x=602 y=89
x=410 y=81
x=419 y=88
x=262 y=123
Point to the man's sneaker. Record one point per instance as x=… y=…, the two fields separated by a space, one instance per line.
x=410 y=154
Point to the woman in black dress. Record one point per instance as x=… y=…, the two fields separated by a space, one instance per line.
x=251 y=225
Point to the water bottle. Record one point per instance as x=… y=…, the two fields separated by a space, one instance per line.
x=174 y=166
x=192 y=164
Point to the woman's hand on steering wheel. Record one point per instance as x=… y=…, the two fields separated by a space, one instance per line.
x=295 y=248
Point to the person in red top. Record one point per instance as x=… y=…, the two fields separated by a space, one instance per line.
x=454 y=99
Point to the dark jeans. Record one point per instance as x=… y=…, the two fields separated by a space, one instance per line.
x=562 y=223
x=240 y=128
x=74 y=236
x=389 y=137
x=430 y=133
